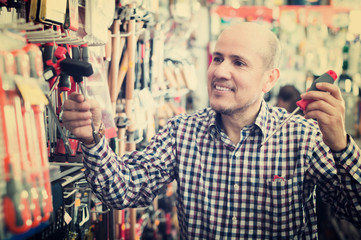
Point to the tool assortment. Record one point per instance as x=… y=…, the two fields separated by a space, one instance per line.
x=26 y=197
x=51 y=49
x=134 y=58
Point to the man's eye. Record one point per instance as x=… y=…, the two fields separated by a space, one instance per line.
x=217 y=59
x=239 y=63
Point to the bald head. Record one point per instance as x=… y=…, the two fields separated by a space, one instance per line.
x=269 y=47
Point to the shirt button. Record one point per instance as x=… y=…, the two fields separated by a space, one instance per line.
x=236 y=187
x=234 y=219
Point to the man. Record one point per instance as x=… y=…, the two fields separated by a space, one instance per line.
x=228 y=186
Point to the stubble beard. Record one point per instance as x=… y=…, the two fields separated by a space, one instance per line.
x=229 y=111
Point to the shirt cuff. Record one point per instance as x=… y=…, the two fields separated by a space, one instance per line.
x=349 y=158
x=94 y=156
x=92 y=146
x=337 y=154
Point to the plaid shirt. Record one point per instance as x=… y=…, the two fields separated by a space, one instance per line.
x=228 y=191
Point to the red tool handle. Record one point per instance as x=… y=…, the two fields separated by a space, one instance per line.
x=329 y=77
x=15 y=202
x=46 y=193
x=24 y=126
x=16 y=206
x=18 y=217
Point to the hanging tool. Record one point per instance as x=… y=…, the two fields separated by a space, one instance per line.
x=40 y=150
x=130 y=79
x=117 y=48
x=329 y=77
x=31 y=101
x=70 y=67
x=51 y=76
x=79 y=69
x=36 y=72
x=44 y=179
x=65 y=85
x=123 y=68
x=47 y=11
x=15 y=202
x=60 y=129
x=54 y=70
x=24 y=130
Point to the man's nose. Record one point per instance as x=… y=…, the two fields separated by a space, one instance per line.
x=223 y=70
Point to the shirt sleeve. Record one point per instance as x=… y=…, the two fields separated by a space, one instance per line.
x=339 y=180
x=134 y=179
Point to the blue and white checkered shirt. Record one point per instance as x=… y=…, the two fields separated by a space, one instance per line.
x=228 y=191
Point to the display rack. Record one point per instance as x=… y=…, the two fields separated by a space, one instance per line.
x=139 y=89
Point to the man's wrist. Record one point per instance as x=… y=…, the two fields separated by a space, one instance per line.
x=90 y=142
x=343 y=148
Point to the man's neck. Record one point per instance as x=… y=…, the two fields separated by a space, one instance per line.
x=233 y=124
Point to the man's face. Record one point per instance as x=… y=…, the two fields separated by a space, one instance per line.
x=236 y=76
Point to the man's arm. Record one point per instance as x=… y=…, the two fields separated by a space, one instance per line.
x=134 y=179
x=339 y=181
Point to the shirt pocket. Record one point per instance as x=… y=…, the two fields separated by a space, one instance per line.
x=286 y=211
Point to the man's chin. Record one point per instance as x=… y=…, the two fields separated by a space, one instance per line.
x=223 y=110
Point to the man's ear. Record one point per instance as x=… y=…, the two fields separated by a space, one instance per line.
x=272 y=77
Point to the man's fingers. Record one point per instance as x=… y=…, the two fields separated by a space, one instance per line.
x=322 y=106
x=74 y=115
x=319 y=96
x=319 y=116
x=328 y=92
x=77 y=97
x=330 y=88
x=77 y=123
x=71 y=105
x=79 y=128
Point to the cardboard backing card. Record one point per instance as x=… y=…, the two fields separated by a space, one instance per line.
x=48 y=11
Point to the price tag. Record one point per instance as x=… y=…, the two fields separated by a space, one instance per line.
x=67 y=217
x=30 y=90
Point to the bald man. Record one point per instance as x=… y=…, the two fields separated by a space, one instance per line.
x=228 y=187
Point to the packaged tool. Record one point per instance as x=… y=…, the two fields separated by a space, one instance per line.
x=72 y=15
x=25 y=136
x=15 y=201
x=48 y=11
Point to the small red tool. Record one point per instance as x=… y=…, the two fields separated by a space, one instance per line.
x=329 y=77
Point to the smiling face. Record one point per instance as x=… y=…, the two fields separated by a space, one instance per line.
x=239 y=74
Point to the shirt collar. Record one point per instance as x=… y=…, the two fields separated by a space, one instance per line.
x=261 y=120
x=214 y=128
x=262 y=117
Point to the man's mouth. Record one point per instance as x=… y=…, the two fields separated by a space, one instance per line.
x=222 y=88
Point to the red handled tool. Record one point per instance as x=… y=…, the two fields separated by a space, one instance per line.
x=44 y=178
x=329 y=77
x=35 y=113
x=24 y=126
x=79 y=69
x=15 y=202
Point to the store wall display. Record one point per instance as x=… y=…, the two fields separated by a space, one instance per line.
x=26 y=197
x=144 y=71
x=113 y=52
